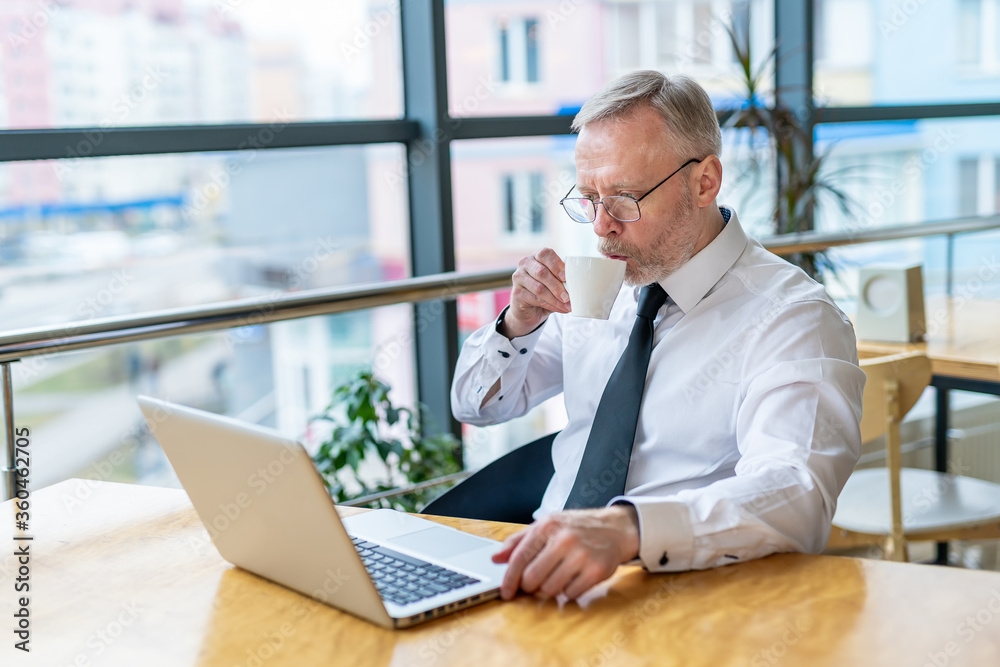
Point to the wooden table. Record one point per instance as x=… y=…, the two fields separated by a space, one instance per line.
x=124 y=575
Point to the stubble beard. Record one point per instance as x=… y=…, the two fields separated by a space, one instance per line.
x=669 y=250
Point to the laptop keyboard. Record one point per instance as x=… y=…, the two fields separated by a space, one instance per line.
x=403 y=579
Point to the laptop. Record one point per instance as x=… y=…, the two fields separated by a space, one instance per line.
x=267 y=510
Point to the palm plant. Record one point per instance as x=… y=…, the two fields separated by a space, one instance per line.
x=802 y=179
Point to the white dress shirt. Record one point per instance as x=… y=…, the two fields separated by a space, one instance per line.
x=748 y=428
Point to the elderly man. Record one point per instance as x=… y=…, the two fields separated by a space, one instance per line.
x=713 y=418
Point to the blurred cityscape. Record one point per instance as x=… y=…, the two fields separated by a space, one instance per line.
x=84 y=238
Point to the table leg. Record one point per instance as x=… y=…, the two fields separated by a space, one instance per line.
x=941 y=452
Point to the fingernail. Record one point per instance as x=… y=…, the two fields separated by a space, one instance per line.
x=562 y=276
x=565 y=296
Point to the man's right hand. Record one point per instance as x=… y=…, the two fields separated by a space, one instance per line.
x=538 y=290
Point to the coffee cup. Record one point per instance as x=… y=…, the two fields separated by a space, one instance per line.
x=593 y=284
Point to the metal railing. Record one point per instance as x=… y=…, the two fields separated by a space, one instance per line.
x=25 y=343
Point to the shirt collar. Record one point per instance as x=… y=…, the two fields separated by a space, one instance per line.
x=691 y=282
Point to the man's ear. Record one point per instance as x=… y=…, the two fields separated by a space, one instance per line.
x=709 y=181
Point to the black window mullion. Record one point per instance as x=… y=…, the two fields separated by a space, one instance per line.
x=432 y=238
x=77 y=143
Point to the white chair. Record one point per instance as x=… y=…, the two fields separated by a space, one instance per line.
x=893 y=505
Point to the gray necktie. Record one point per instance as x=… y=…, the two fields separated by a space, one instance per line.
x=605 y=460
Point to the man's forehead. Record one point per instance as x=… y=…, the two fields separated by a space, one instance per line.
x=625 y=159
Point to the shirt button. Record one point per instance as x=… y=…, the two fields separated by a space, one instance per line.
x=500 y=399
x=663 y=559
x=503 y=354
x=524 y=351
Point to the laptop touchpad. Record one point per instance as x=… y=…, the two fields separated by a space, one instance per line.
x=440 y=543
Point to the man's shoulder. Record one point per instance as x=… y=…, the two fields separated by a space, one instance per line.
x=770 y=278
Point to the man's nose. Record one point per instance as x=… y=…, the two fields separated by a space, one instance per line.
x=605 y=224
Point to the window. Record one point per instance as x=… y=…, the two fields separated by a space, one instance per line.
x=843 y=49
x=576 y=47
x=122 y=235
x=531 y=50
x=978 y=185
x=979 y=33
x=518 y=50
x=969 y=31
x=523 y=202
x=968 y=186
x=676 y=35
x=124 y=63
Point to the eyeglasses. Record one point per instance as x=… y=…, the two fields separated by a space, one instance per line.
x=621 y=208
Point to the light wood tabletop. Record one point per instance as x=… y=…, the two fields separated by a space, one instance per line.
x=125 y=575
x=962 y=341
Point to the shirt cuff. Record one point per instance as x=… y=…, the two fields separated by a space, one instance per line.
x=666 y=541
x=502 y=353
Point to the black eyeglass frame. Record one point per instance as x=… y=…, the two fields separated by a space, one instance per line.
x=600 y=201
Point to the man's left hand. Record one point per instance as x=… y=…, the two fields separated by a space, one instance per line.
x=569 y=552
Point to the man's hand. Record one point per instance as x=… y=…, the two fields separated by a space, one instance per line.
x=569 y=552
x=538 y=290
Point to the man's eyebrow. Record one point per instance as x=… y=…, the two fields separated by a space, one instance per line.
x=613 y=186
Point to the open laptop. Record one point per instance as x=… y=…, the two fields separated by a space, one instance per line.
x=267 y=511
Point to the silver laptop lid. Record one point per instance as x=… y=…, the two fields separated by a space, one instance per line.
x=296 y=537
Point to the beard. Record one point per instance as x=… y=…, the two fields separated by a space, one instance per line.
x=670 y=249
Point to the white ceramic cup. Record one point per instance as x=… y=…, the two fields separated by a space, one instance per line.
x=593 y=284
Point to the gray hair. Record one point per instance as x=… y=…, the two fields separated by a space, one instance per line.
x=683 y=104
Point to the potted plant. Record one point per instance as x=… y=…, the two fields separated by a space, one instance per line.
x=802 y=180
x=367 y=426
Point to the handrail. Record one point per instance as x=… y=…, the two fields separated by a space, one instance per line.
x=17 y=345
x=243 y=312
x=788 y=244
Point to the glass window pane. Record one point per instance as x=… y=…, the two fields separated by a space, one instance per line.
x=909 y=173
x=197 y=61
x=927 y=52
x=111 y=236
x=497 y=49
